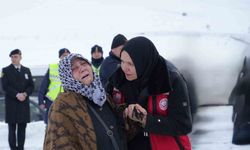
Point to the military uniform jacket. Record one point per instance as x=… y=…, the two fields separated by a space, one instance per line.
x=14 y=82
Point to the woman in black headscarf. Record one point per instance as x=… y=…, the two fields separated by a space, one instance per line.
x=156 y=95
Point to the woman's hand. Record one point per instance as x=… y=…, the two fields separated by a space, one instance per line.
x=137 y=113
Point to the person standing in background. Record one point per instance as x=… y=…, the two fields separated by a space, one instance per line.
x=96 y=58
x=17 y=84
x=51 y=85
x=112 y=62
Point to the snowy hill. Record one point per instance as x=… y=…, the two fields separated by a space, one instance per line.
x=212 y=36
x=209 y=38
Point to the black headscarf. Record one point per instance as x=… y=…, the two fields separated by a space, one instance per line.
x=151 y=69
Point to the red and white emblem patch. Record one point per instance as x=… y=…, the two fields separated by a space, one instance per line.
x=163 y=104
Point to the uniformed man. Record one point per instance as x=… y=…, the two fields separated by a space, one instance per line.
x=18 y=85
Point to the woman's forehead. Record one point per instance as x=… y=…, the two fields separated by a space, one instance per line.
x=125 y=55
x=78 y=59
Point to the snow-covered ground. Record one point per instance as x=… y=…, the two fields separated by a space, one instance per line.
x=34 y=136
x=208 y=37
x=212 y=130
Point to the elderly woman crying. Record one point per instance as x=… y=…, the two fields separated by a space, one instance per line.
x=82 y=116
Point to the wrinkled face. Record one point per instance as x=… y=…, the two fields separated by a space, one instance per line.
x=128 y=66
x=96 y=54
x=82 y=71
x=15 y=59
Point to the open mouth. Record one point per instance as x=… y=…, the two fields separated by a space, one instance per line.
x=127 y=75
x=85 y=76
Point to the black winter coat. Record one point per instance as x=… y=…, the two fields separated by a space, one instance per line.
x=108 y=68
x=14 y=82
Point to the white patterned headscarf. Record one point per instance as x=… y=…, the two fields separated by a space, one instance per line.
x=94 y=92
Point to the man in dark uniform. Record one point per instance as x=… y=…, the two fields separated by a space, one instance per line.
x=18 y=85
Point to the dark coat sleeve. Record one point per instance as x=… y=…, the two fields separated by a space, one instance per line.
x=30 y=85
x=178 y=121
x=43 y=88
x=108 y=67
x=7 y=87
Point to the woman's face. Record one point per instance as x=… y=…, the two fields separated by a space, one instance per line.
x=128 y=66
x=82 y=71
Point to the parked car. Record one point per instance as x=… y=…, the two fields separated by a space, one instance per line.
x=36 y=113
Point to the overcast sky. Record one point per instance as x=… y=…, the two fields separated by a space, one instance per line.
x=209 y=37
x=41 y=27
